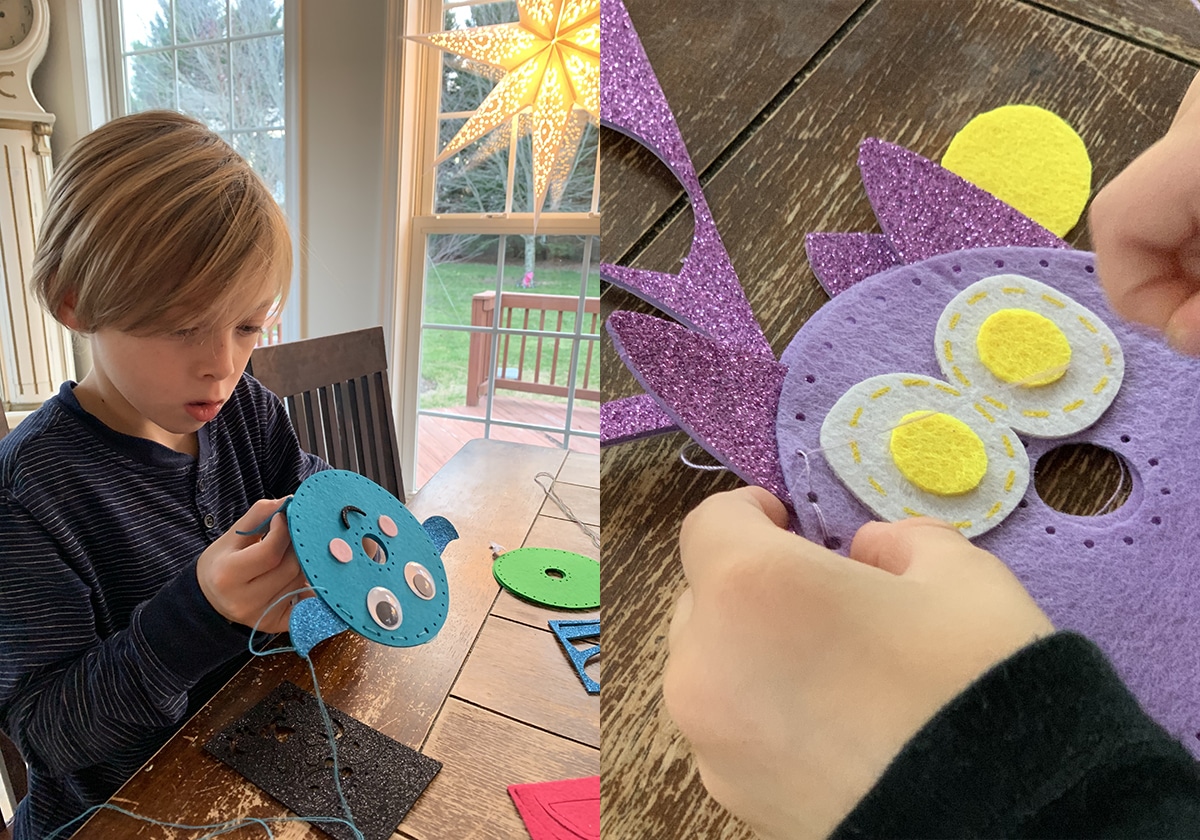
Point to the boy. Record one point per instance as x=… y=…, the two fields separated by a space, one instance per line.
x=935 y=699
x=125 y=594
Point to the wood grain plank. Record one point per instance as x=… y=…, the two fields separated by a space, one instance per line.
x=584 y=502
x=488 y=492
x=523 y=673
x=484 y=751
x=1169 y=25
x=741 y=63
x=582 y=468
x=912 y=72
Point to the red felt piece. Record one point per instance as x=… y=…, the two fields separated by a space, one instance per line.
x=564 y=810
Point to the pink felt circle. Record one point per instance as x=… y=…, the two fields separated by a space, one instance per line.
x=388 y=526
x=341 y=550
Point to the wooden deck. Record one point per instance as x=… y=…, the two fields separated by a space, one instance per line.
x=439 y=438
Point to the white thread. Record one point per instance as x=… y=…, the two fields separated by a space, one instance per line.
x=595 y=538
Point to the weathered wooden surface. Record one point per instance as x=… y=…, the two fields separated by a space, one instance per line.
x=1169 y=25
x=908 y=71
x=489 y=493
x=733 y=66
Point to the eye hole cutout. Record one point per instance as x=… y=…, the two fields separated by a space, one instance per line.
x=420 y=581
x=384 y=608
x=1082 y=479
x=374 y=549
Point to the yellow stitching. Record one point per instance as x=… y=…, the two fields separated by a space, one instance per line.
x=912 y=512
x=1054 y=301
x=1073 y=406
x=974 y=299
x=1036 y=413
x=1107 y=355
x=964 y=524
x=875 y=484
x=1008 y=484
x=959 y=374
x=854 y=451
x=1100 y=385
x=854 y=420
x=996 y=403
x=881 y=392
x=1088 y=324
x=984 y=412
x=1013 y=290
x=1007 y=446
x=995 y=509
x=949 y=351
x=947 y=389
x=915 y=383
x=954 y=319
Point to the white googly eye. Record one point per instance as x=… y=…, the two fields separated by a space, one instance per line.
x=384 y=608
x=420 y=581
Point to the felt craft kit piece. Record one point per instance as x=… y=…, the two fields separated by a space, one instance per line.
x=565 y=810
x=550 y=577
x=280 y=745
x=933 y=385
x=567 y=632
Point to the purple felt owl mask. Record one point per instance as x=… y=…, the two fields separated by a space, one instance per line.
x=1126 y=579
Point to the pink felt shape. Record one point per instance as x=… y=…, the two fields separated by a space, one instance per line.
x=839 y=260
x=926 y=210
x=725 y=397
x=563 y=810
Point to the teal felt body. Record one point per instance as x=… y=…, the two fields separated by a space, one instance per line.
x=315 y=518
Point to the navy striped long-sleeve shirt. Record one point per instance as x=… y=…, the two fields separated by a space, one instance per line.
x=106 y=642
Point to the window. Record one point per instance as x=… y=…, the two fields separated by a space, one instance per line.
x=509 y=312
x=222 y=61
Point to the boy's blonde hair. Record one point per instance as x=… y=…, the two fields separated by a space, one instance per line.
x=154 y=222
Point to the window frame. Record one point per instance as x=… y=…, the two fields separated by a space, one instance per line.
x=421 y=69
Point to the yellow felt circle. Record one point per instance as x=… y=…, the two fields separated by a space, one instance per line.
x=938 y=453
x=1028 y=157
x=1023 y=348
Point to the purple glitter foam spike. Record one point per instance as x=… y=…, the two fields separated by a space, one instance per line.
x=1126 y=579
x=706 y=294
x=839 y=260
x=925 y=210
x=724 y=397
x=632 y=418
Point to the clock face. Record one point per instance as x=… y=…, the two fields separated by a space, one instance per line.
x=16 y=19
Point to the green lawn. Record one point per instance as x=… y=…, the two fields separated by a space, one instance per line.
x=448 y=292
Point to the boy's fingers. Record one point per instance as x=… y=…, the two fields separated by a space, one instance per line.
x=747 y=524
x=917 y=546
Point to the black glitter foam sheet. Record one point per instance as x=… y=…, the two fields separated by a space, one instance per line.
x=281 y=745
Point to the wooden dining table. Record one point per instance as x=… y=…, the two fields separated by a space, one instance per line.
x=493 y=697
x=772 y=99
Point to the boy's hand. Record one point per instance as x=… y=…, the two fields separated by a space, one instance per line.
x=1145 y=228
x=242 y=575
x=798 y=674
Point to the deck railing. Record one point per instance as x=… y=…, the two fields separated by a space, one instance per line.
x=536 y=372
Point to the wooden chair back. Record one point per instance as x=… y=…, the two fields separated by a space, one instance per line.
x=337 y=394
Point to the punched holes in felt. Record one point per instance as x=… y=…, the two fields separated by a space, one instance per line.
x=281 y=745
x=550 y=577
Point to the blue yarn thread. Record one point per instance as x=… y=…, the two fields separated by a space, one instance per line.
x=218 y=829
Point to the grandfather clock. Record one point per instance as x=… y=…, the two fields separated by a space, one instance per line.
x=35 y=350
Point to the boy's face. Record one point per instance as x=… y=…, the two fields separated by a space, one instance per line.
x=165 y=387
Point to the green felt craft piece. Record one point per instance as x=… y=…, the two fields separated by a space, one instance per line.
x=550 y=577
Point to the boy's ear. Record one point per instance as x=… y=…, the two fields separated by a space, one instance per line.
x=66 y=312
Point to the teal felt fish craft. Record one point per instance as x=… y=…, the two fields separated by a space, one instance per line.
x=375 y=568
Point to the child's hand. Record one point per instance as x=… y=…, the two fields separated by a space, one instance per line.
x=1145 y=228
x=243 y=575
x=798 y=674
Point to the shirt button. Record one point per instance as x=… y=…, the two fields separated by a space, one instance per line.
x=200 y=485
x=209 y=520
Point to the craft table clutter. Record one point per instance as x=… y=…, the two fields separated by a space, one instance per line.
x=808 y=119
x=494 y=697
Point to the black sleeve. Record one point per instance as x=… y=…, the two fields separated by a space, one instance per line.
x=1049 y=743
